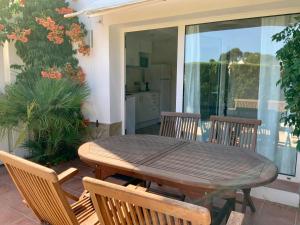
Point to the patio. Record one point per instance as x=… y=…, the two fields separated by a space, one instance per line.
x=13 y=211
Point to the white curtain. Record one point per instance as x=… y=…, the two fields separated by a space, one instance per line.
x=192 y=94
x=270 y=98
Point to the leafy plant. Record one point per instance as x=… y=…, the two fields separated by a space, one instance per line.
x=289 y=55
x=46 y=99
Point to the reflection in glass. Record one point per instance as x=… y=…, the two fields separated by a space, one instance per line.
x=231 y=69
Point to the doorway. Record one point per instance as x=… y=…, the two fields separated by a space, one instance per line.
x=151 y=71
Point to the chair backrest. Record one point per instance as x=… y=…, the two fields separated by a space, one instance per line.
x=39 y=187
x=234 y=131
x=179 y=125
x=118 y=205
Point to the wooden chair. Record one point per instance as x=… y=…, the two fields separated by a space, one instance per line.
x=233 y=131
x=118 y=205
x=239 y=132
x=41 y=190
x=179 y=125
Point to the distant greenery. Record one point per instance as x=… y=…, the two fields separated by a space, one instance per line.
x=289 y=55
x=44 y=104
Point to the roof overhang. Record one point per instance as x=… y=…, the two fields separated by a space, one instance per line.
x=102 y=7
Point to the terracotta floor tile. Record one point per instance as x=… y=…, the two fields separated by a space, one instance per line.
x=9 y=216
x=25 y=221
x=13 y=212
x=275 y=214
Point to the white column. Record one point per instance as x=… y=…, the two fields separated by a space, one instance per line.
x=180 y=68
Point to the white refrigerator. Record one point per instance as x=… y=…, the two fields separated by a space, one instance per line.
x=159 y=78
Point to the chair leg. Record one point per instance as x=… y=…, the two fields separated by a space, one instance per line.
x=231 y=202
x=247 y=201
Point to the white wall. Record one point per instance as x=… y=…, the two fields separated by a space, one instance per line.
x=4 y=140
x=106 y=64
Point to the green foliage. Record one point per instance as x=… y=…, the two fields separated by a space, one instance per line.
x=46 y=111
x=49 y=109
x=289 y=55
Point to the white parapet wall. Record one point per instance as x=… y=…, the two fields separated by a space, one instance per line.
x=277 y=196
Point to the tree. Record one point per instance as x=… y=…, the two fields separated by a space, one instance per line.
x=234 y=55
x=289 y=56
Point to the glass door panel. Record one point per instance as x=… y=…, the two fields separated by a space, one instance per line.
x=231 y=70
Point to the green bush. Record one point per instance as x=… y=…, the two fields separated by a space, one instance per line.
x=289 y=55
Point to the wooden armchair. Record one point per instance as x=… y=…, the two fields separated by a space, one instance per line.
x=41 y=190
x=239 y=132
x=179 y=125
x=118 y=205
x=233 y=131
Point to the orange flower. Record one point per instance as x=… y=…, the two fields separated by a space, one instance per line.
x=75 y=33
x=2 y=27
x=64 y=10
x=22 y=3
x=54 y=37
x=12 y=36
x=20 y=35
x=52 y=74
x=23 y=39
x=27 y=32
x=56 y=31
x=86 y=122
x=80 y=76
x=84 y=49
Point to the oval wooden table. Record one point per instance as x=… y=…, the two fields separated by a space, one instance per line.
x=193 y=167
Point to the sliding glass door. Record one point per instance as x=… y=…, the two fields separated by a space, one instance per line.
x=231 y=70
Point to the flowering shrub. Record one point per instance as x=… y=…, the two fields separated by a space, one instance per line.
x=46 y=100
x=40 y=31
x=76 y=34
x=56 y=33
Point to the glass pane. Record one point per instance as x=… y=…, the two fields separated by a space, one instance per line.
x=231 y=70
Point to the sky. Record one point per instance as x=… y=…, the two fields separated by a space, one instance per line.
x=212 y=44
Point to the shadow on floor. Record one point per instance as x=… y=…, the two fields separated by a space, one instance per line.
x=13 y=212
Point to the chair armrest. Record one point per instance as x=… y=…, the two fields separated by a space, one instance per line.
x=235 y=218
x=66 y=175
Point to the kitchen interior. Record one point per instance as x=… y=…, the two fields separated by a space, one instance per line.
x=151 y=66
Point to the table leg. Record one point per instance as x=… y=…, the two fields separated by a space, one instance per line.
x=102 y=172
x=247 y=201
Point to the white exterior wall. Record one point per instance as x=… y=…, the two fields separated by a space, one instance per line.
x=172 y=13
x=105 y=66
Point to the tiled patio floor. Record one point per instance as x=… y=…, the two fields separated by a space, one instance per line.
x=13 y=212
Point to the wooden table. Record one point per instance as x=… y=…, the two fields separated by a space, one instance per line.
x=193 y=167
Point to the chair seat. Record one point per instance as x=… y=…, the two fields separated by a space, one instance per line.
x=166 y=191
x=120 y=179
x=84 y=210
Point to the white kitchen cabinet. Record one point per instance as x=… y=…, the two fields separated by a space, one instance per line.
x=147 y=108
x=130 y=114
